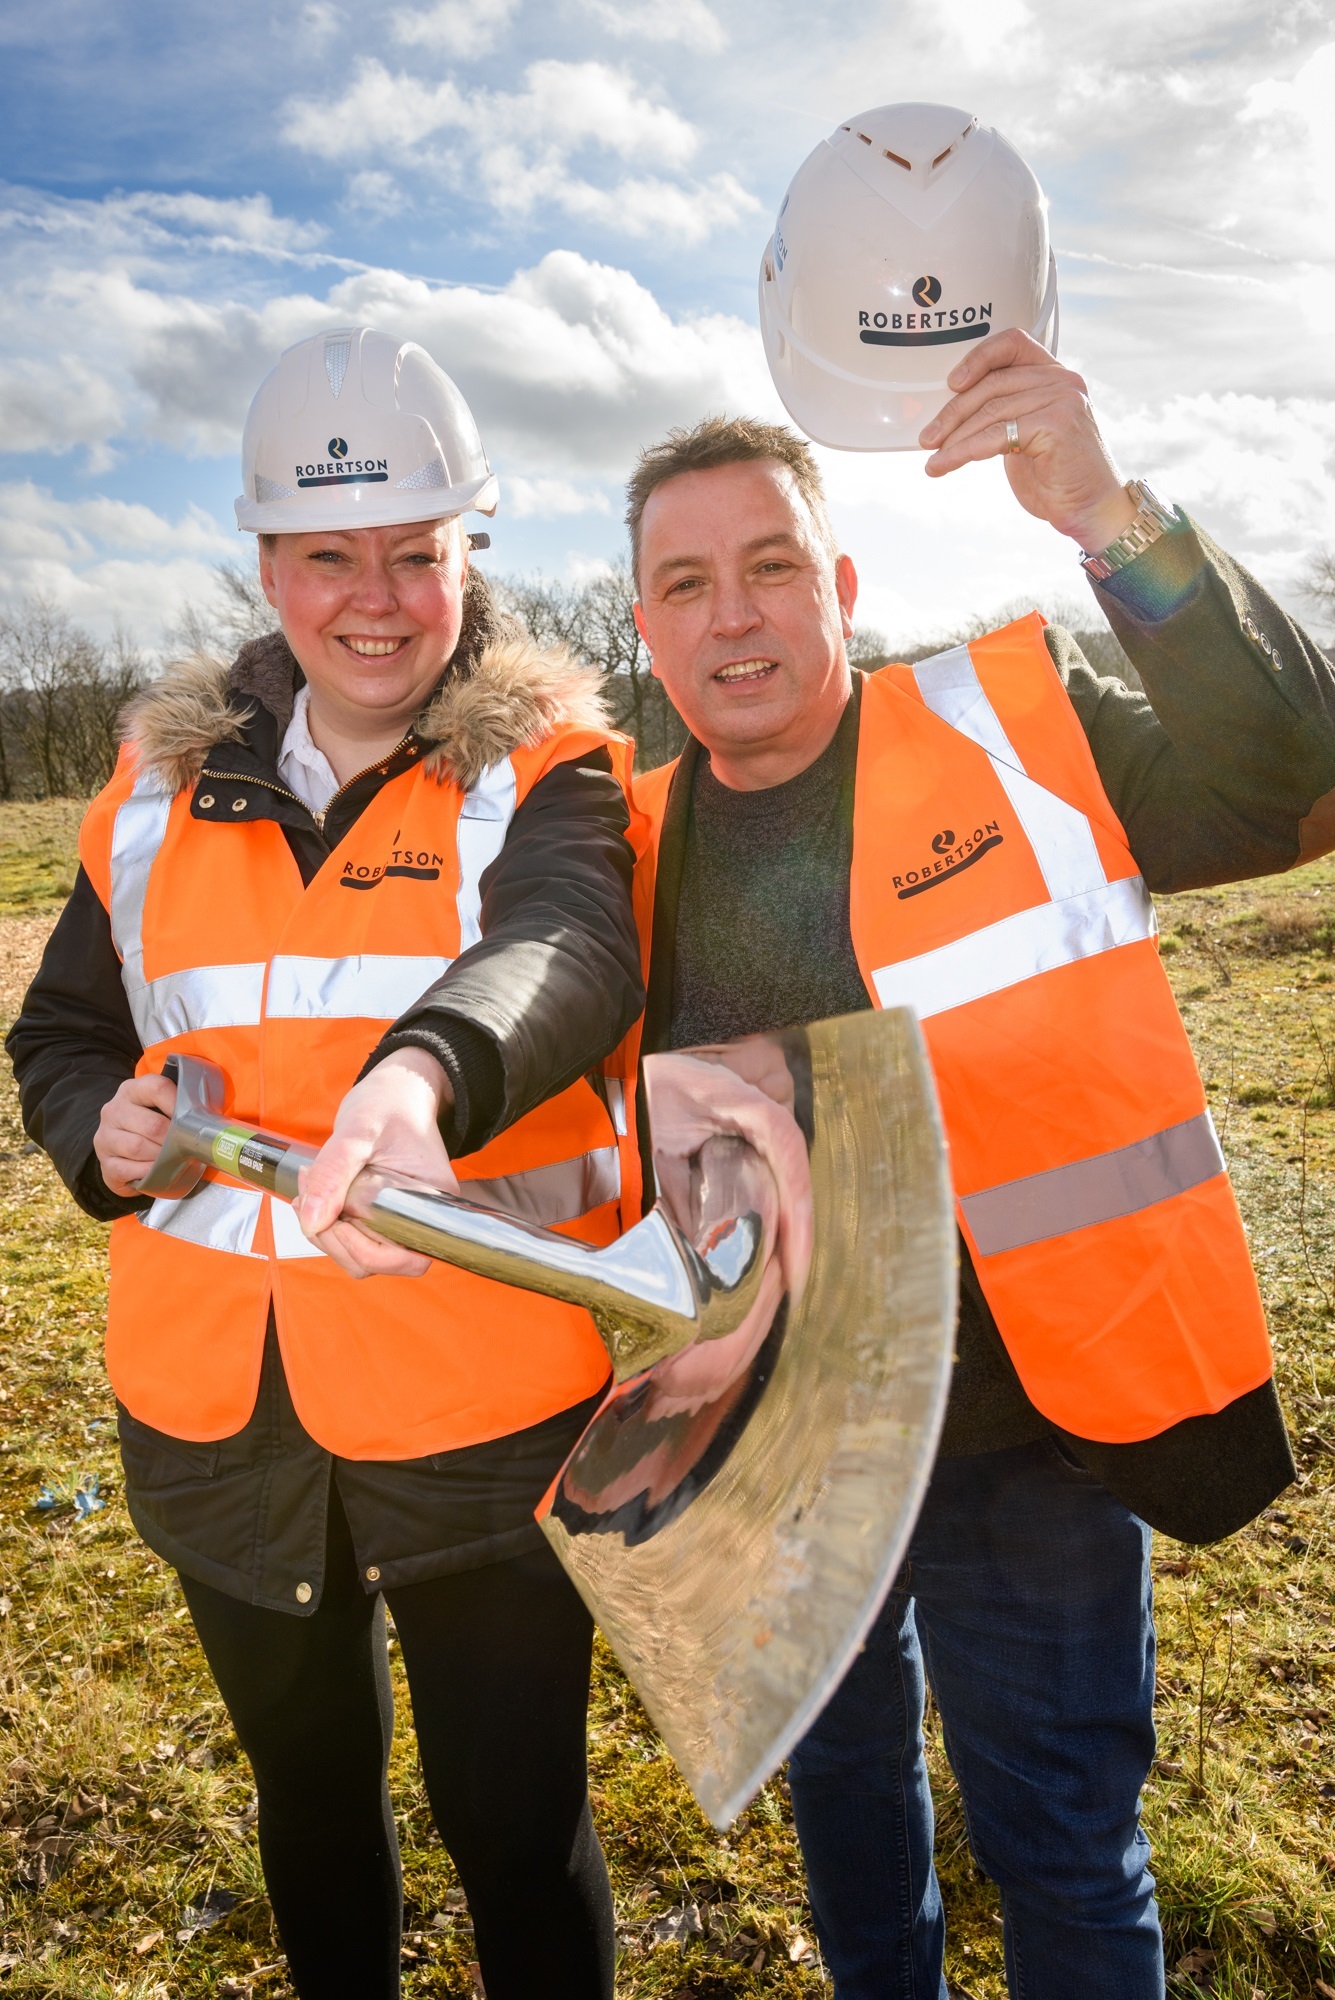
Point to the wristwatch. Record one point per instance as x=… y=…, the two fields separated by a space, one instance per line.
x=1153 y=519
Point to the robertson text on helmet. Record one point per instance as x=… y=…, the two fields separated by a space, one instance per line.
x=925 y=329
x=344 y=472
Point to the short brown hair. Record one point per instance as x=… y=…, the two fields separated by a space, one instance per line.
x=724 y=441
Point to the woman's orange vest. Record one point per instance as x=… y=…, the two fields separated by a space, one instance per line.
x=994 y=892
x=225 y=954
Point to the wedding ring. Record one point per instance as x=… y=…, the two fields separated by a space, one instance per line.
x=1012 y=435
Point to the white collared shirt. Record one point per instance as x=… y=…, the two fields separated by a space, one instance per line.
x=302 y=768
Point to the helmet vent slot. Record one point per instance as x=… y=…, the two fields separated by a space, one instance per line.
x=943 y=156
x=865 y=140
x=337 y=353
x=899 y=160
x=432 y=474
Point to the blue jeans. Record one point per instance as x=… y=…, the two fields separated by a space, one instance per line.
x=1026 y=1595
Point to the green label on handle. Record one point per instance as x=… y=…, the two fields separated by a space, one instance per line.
x=227 y=1145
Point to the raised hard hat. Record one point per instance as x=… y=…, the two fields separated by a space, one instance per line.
x=358 y=429
x=909 y=233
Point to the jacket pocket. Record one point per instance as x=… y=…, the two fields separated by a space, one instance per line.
x=153 y=1459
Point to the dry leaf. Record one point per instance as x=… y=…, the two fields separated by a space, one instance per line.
x=799 y=1948
x=146 y=1944
x=682 y=1921
x=1199 y=1959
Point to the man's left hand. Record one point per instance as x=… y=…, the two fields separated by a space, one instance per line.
x=1061 y=470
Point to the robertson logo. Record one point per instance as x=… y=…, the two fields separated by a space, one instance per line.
x=420 y=864
x=952 y=855
x=340 y=470
x=927 y=328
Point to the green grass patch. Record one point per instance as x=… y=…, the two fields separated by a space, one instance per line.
x=39 y=854
x=125 y=1801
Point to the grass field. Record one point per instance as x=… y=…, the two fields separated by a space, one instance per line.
x=127 y=1858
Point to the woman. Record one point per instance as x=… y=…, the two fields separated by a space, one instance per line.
x=397 y=789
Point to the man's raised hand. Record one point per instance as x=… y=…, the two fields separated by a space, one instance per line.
x=1061 y=470
x=388 y=1120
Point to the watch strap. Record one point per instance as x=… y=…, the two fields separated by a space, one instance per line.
x=1152 y=520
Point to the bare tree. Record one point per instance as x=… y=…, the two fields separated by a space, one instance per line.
x=596 y=622
x=60 y=696
x=1319 y=583
x=235 y=610
x=868 y=649
x=1094 y=636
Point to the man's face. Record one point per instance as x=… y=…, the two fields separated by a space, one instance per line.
x=744 y=612
x=372 y=614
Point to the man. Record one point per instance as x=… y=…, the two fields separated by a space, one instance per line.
x=1121 y=1390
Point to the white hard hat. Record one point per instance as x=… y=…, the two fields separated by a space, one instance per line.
x=910 y=231
x=357 y=429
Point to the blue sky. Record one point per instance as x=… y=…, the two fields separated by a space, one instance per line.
x=567 y=202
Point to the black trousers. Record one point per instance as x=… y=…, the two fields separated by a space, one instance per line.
x=498 y=1668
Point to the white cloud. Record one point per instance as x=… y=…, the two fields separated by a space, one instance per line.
x=150 y=222
x=564 y=106
x=461 y=29
x=33 y=524
x=550 y=499
x=518 y=146
x=320 y=22
x=569 y=366
x=690 y=22
x=374 y=192
x=107 y=562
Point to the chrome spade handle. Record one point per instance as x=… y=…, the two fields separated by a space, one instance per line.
x=651 y=1293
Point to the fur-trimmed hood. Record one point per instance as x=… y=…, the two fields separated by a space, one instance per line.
x=500 y=692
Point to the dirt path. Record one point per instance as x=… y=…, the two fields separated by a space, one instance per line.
x=21 y=942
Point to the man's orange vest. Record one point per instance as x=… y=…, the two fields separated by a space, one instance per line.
x=226 y=955
x=994 y=892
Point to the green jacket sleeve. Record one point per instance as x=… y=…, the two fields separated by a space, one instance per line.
x=1224 y=767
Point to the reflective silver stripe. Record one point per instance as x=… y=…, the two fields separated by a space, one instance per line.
x=203 y=996
x=559 y=1193
x=616 y=1104
x=288 y=1241
x=176 y=1003
x=373 y=985
x=136 y=838
x=1101 y=1189
x=215 y=1217
x=1019 y=947
x=949 y=685
x=1060 y=835
x=484 y=820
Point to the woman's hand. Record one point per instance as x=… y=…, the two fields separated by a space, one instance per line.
x=131 y=1130
x=387 y=1120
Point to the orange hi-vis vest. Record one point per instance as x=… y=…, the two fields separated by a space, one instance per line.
x=225 y=954
x=994 y=892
